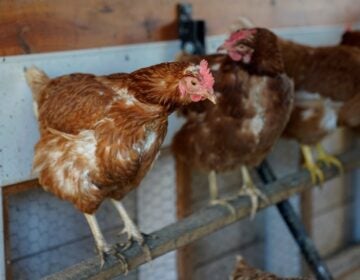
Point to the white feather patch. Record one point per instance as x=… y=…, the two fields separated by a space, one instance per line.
x=330 y=117
x=307 y=114
x=257 y=122
x=123 y=94
x=61 y=161
x=35 y=109
x=303 y=96
x=150 y=140
x=215 y=67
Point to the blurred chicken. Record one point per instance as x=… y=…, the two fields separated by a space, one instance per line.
x=101 y=134
x=254 y=102
x=327 y=84
x=327 y=94
x=243 y=271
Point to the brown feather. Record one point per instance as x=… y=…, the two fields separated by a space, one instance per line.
x=243 y=271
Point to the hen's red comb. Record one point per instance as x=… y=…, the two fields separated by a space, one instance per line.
x=240 y=35
x=207 y=79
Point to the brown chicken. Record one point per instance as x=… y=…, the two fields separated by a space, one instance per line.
x=101 y=134
x=243 y=271
x=327 y=93
x=327 y=84
x=254 y=103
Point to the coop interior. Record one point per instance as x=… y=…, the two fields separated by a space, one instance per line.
x=230 y=187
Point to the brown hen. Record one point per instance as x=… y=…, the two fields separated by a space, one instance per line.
x=327 y=94
x=254 y=102
x=243 y=271
x=99 y=135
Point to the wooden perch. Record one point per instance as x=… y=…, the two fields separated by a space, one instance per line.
x=202 y=223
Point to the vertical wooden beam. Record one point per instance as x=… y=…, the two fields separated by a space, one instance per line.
x=183 y=209
x=3 y=264
x=6 y=236
x=5 y=247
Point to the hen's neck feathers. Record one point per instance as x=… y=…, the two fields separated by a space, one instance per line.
x=159 y=85
x=294 y=56
x=266 y=59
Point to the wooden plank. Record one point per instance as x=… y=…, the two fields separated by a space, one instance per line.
x=20 y=187
x=7 y=244
x=202 y=223
x=345 y=262
x=42 y=26
x=183 y=209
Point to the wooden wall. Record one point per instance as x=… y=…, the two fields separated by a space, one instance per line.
x=32 y=26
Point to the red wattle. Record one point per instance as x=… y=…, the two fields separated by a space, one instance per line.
x=195 y=97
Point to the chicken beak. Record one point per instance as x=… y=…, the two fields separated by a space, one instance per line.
x=211 y=96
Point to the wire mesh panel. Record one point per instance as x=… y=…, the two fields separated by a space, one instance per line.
x=156 y=209
x=48 y=235
x=213 y=257
x=282 y=255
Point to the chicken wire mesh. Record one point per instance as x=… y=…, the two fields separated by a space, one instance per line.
x=48 y=235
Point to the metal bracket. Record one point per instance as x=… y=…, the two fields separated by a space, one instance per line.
x=191 y=32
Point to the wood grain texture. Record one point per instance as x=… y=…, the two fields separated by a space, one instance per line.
x=7 y=244
x=41 y=26
x=183 y=209
x=20 y=187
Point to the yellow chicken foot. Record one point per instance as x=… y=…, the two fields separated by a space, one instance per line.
x=131 y=230
x=315 y=172
x=249 y=189
x=328 y=159
x=103 y=248
x=214 y=194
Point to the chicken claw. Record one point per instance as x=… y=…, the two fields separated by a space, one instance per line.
x=224 y=203
x=328 y=159
x=114 y=252
x=249 y=189
x=102 y=246
x=131 y=231
x=315 y=172
x=214 y=196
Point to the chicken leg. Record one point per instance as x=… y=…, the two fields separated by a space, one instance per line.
x=249 y=189
x=316 y=173
x=102 y=246
x=131 y=230
x=214 y=193
x=328 y=159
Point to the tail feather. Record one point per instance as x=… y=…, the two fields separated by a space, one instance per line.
x=37 y=80
x=241 y=23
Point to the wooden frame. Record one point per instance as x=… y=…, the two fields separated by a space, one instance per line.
x=7 y=191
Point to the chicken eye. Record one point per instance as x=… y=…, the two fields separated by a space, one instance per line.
x=193 y=83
